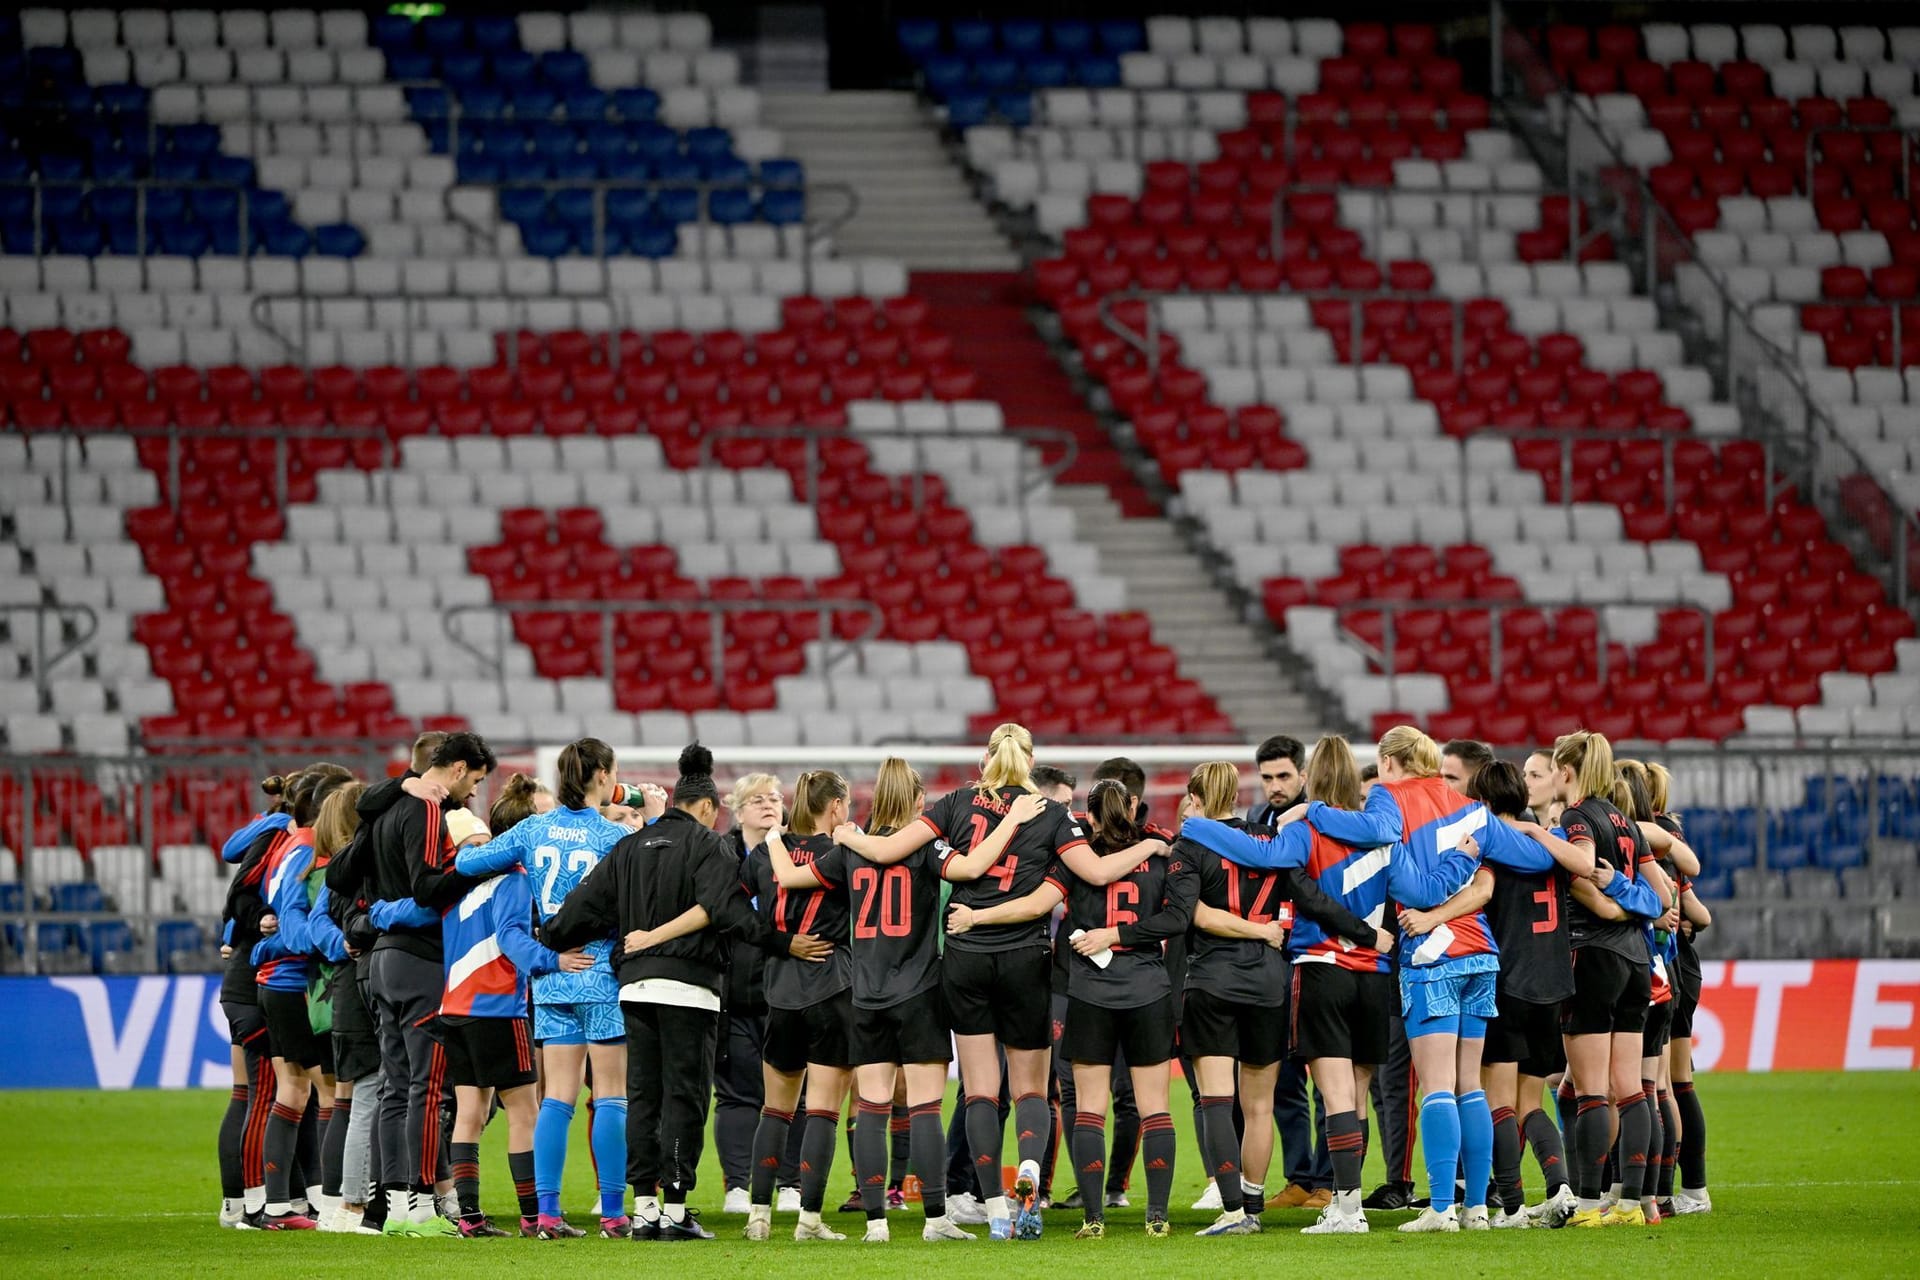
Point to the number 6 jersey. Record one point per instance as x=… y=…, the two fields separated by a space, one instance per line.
x=1150 y=904
x=963 y=819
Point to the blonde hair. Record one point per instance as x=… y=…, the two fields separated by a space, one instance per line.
x=1215 y=787
x=748 y=788
x=1659 y=786
x=1590 y=756
x=1631 y=795
x=1009 y=760
x=339 y=819
x=812 y=793
x=1415 y=752
x=1332 y=775
x=895 y=788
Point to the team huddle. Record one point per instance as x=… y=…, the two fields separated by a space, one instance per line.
x=1444 y=927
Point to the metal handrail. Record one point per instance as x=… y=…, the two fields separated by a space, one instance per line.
x=140 y=186
x=42 y=614
x=1390 y=609
x=1568 y=438
x=718 y=610
x=1906 y=153
x=1539 y=82
x=1027 y=482
x=296 y=346
x=812 y=233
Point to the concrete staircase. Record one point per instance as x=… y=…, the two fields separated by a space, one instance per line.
x=1192 y=616
x=914 y=204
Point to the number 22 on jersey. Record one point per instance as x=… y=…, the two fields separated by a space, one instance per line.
x=547 y=863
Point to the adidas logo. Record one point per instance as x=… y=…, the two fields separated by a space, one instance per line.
x=771 y=1162
x=876 y=1180
x=1025 y=1134
x=984 y=1160
x=1097 y=1166
x=1229 y=1167
x=1156 y=1163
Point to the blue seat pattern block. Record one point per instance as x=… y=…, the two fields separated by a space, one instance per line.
x=85 y=170
x=1831 y=830
x=982 y=71
x=537 y=122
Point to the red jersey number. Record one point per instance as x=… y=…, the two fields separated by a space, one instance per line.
x=780 y=900
x=1548 y=897
x=1261 y=911
x=1122 y=897
x=886 y=902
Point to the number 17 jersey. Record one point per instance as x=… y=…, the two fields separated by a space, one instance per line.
x=896 y=924
x=966 y=817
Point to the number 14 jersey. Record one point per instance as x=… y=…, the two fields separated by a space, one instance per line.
x=966 y=817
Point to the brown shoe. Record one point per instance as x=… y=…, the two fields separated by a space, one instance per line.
x=1319 y=1200
x=1294 y=1196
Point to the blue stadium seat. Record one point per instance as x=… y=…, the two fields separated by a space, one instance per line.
x=534 y=102
x=964 y=110
x=13 y=897
x=1788 y=856
x=654 y=240
x=441 y=33
x=1713 y=883
x=1014 y=108
x=784 y=207
x=636 y=104
x=495 y=34
x=918 y=36
x=1022 y=36
x=996 y=71
x=565 y=68
x=781 y=173
x=338 y=240
x=515 y=67
x=178 y=941
x=1098 y=73
x=730 y=206
x=678 y=204
x=1840 y=855
x=523 y=204
x=1122 y=35
x=545 y=239
x=1071 y=36
x=946 y=74
x=410 y=65
x=107 y=939
x=584 y=102
x=1046 y=71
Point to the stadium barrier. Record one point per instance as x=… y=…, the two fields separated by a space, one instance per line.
x=86 y=1032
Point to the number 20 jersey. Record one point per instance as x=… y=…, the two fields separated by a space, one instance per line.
x=897 y=924
x=964 y=818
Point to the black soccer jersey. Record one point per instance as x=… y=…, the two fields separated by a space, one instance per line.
x=1617 y=839
x=800 y=984
x=1528 y=915
x=1148 y=905
x=896 y=924
x=1242 y=970
x=1670 y=823
x=966 y=817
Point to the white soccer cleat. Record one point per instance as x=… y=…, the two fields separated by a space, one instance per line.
x=1474 y=1218
x=759 y=1224
x=1430 y=1220
x=1333 y=1222
x=1685 y=1202
x=233 y=1215
x=1518 y=1220
x=738 y=1201
x=966 y=1210
x=943 y=1229
x=1555 y=1209
x=877 y=1233
x=816 y=1231
x=787 y=1201
x=1210 y=1199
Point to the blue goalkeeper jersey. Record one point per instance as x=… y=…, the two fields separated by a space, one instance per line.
x=559 y=850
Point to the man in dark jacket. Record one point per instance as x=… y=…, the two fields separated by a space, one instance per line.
x=679 y=880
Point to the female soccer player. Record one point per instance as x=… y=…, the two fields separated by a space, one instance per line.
x=899 y=1022
x=995 y=979
x=1604 y=1020
x=576 y=1014
x=1341 y=994
x=302 y=1060
x=356 y=1042
x=1687 y=1123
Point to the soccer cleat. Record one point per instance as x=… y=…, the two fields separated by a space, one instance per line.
x=1209 y=1199
x=1624 y=1215
x=481 y=1229
x=1474 y=1218
x=999 y=1228
x=966 y=1209
x=1665 y=1205
x=877 y=1232
x=1587 y=1218
x=1118 y=1200
x=646 y=1229
x=1091 y=1231
x=287 y=1222
x=738 y=1201
x=759 y=1227
x=1233 y=1223
x=1518 y=1220
x=556 y=1228
x=1071 y=1202
x=1686 y=1202
x=852 y=1204
x=1332 y=1222
x=1157 y=1229
x=1027 y=1222
x=1390 y=1196
x=1554 y=1211
x=620 y=1228
x=1292 y=1196
x=688 y=1228
x=1432 y=1219
x=896 y=1200
x=233 y=1215
x=815 y=1231
x=787 y=1200
x=943 y=1229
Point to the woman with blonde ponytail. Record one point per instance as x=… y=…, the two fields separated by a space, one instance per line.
x=996 y=977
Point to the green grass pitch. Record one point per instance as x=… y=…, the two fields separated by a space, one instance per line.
x=1811 y=1175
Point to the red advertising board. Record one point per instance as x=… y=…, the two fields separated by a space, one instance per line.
x=1808 y=1015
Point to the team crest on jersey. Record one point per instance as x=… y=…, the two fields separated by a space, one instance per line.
x=1077 y=833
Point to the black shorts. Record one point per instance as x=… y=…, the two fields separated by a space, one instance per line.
x=1610 y=994
x=915 y=1030
x=246 y=1025
x=488 y=1053
x=1659 y=1028
x=1686 y=994
x=1144 y=1034
x=290 y=1030
x=1529 y=1034
x=1003 y=994
x=1340 y=1013
x=822 y=1032
x=356 y=1039
x=1252 y=1035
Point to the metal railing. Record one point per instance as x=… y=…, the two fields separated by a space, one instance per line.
x=1476 y=203
x=82 y=619
x=837 y=648
x=1389 y=610
x=1569 y=441
x=243 y=226
x=307 y=303
x=1027 y=479
x=1756 y=373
